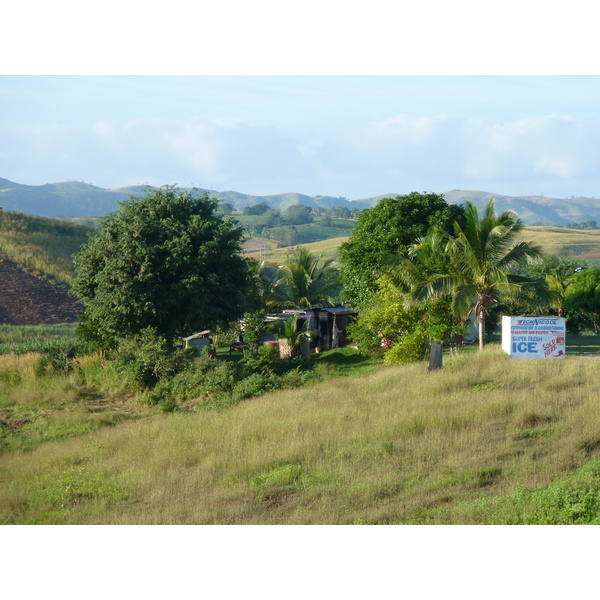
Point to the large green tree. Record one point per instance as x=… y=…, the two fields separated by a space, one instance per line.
x=167 y=260
x=298 y=214
x=480 y=257
x=382 y=234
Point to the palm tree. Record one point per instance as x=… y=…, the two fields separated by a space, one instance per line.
x=307 y=280
x=480 y=255
x=261 y=293
x=559 y=284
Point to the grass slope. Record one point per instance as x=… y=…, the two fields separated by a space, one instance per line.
x=329 y=248
x=573 y=243
x=485 y=440
x=555 y=241
x=41 y=245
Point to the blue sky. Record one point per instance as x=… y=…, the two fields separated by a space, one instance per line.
x=352 y=136
x=367 y=103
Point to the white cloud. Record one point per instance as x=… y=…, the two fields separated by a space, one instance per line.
x=397 y=154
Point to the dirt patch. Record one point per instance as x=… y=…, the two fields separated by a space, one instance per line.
x=251 y=245
x=29 y=300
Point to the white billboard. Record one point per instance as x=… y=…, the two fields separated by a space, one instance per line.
x=534 y=337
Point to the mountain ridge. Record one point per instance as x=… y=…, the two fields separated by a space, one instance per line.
x=80 y=199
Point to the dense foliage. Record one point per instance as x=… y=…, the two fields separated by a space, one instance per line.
x=297 y=214
x=168 y=260
x=307 y=280
x=384 y=232
x=399 y=333
x=481 y=254
x=582 y=304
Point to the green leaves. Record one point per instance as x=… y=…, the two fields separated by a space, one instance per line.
x=167 y=260
x=307 y=280
x=479 y=256
x=384 y=233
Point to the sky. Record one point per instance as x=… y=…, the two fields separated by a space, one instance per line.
x=337 y=135
x=331 y=100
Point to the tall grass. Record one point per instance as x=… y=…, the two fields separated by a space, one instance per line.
x=396 y=446
x=21 y=339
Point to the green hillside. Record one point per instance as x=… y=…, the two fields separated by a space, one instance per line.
x=79 y=199
x=486 y=440
x=572 y=243
x=45 y=246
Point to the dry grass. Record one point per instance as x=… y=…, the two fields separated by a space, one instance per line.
x=556 y=241
x=43 y=253
x=328 y=247
x=397 y=446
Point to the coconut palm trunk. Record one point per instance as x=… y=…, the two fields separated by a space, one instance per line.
x=481 y=325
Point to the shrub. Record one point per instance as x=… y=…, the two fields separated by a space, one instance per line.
x=254 y=329
x=57 y=356
x=256 y=384
x=203 y=377
x=411 y=347
x=265 y=360
x=147 y=358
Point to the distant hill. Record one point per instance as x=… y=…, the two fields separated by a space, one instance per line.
x=79 y=199
x=68 y=199
x=535 y=210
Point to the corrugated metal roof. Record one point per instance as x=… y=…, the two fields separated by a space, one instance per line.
x=195 y=336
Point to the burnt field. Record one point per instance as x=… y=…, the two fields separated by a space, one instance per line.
x=29 y=300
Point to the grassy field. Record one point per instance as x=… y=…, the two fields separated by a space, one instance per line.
x=328 y=247
x=572 y=243
x=485 y=440
x=25 y=338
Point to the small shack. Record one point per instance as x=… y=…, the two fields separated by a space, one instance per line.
x=198 y=341
x=329 y=324
x=332 y=326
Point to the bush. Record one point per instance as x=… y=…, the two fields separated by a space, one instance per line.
x=205 y=377
x=57 y=356
x=265 y=360
x=256 y=384
x=147 y=358
x=410 y=348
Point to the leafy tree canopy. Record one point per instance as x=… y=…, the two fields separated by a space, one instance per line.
x=256 y=209
x=384 y=232
x=583 y=302
x=167 y=260
x=481 y=255
x=297 y=214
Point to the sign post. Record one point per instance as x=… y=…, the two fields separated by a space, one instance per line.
x=534 y=337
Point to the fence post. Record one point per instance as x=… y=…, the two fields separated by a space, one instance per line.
x=435 y=357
